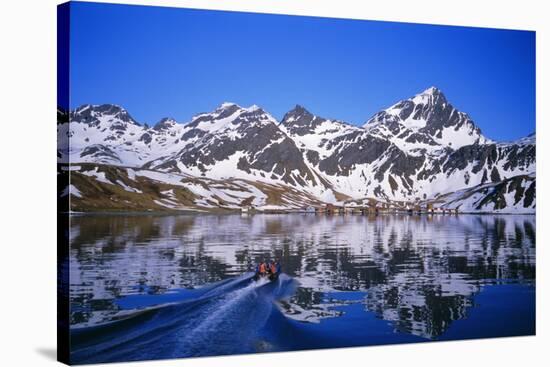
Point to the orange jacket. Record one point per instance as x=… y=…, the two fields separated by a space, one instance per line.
x=273 y=269
x=262 y=268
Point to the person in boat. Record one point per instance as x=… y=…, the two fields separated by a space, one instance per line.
x=274 y=270
x=267 y=269
x=261 y=270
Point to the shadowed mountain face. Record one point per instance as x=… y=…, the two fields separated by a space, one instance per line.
x=419 y=149
x=428 y=118
x=248 y=137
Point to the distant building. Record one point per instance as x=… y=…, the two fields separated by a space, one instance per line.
x=429 y=208
x=334 y=209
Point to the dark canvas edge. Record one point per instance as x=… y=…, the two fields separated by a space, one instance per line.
x=63 y=92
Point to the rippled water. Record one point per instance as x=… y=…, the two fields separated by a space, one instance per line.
x=366 y=280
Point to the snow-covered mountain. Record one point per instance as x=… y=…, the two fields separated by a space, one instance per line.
x=416 y=149
x=425 y=122
x=237 y=142
x=419 y=149
x=108 y=134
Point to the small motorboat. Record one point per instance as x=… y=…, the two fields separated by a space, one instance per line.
x=267 y=271
x=270 y=276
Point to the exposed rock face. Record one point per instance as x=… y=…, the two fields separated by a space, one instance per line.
x=300 y=121
x=248 y=138
x=512 y=195
x=429 y=119
x=165 y=124
x=418 y=149
x=94 y=115
x=100 y=153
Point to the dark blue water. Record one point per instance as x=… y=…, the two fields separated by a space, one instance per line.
x=149 y=287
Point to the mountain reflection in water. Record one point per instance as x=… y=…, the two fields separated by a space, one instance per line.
x=419 y=273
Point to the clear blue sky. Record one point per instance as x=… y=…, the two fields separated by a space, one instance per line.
x=159 y=62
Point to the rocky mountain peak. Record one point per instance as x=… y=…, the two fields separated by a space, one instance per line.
x=431 y=96
x=231 y=116
x=299 y=110
x=164 y=124
x=226 y=109
x=297 y=116
x=227 y=106
x=92 y=114
x=254 y=110
x=428 y=119
x=432 y=91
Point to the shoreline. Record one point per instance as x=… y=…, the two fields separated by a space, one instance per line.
x=236 y=212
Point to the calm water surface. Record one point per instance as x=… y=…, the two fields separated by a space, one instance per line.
x=356 y=280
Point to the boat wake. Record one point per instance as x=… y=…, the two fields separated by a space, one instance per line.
x=225 y=318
